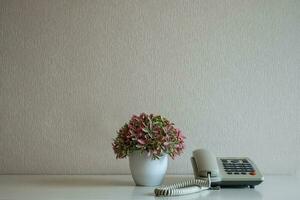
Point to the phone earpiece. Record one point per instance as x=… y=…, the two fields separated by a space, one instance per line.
x=206 y=163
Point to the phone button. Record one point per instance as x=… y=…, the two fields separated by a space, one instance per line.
x=252 y=173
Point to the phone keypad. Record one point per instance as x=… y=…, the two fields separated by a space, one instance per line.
x=238 y=167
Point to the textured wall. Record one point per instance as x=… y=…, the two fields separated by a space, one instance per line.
x=72 y=72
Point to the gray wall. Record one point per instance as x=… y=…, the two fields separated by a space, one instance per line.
x=72 y=72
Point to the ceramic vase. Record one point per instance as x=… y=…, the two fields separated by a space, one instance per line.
x=147 y=171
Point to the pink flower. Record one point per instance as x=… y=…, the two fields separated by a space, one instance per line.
x=141 y=141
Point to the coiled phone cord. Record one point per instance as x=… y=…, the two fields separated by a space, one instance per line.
x=185 y=187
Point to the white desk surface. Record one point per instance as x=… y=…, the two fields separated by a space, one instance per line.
x=92 y=187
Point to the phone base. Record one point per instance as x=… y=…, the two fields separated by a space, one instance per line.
x=235 y=184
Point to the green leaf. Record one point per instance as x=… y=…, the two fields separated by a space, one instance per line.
x=145 y=130
x=150 y=123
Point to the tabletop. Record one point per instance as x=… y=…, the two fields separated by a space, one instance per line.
x=92 y=187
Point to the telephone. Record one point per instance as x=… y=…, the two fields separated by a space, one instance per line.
x=214 y=172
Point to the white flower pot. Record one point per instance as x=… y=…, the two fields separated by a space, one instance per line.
x=146 y=171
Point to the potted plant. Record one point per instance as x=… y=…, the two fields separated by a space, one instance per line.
x=147 y=140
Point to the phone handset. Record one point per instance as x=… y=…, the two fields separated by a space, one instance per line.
x=204 y=162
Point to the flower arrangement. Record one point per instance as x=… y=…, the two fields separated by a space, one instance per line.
x=153 y=134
